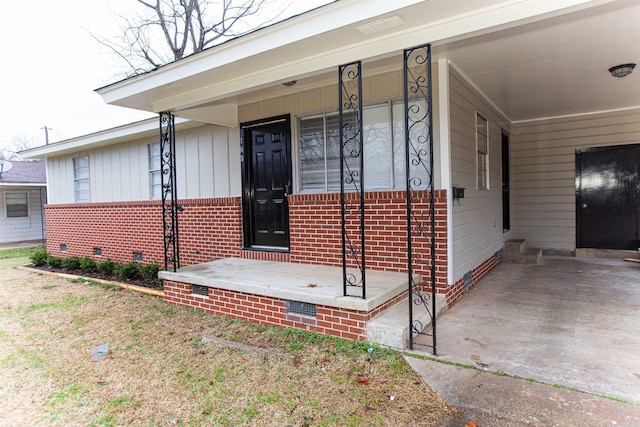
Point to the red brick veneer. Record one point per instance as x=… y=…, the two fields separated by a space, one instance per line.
x=348 y=324
x=208 y=229
x=315 y=223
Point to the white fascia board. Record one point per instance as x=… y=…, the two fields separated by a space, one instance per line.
x=9 y=184
x=102 y=138
x=482 y=21
x=322 y=20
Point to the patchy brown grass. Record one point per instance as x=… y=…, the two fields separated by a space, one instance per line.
x=160 y=373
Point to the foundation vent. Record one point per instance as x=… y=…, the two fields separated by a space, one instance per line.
x=200 y=290
x=301 y=308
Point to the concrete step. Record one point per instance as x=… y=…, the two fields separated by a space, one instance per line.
x=513 y=249
x=391 y=328
x=516 y=252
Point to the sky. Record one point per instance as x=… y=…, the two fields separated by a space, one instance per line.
x=52 y=66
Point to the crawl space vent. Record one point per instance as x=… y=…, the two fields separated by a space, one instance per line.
x=301 y=308
x=200 y=290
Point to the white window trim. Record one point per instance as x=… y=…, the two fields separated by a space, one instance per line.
x=486 y=155
x=75 y=179
x=6 y=206
x=151 y=171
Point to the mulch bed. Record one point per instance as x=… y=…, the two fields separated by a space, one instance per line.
x=98 y=275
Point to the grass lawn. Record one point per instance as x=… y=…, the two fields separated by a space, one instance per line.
x=159 y=372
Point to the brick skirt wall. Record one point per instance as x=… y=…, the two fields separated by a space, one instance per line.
x=316 y=236
x=340 y=322
x=209 y=229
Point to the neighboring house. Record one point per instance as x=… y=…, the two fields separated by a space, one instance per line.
x=22 y=197
x=527 y=127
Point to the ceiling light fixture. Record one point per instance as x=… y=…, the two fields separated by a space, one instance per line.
x=622 y=70
x=290 y=83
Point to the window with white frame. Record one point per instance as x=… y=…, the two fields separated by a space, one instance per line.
x=482 y=152
x=81 y=183
x=155 y=183
x=17 y=204
x=384 y=150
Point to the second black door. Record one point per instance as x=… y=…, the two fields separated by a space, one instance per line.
x=607 y=197
x=266 y=182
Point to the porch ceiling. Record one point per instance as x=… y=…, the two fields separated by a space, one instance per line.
x=532 y=59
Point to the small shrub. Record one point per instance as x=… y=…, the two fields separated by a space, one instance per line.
x=54 y=262
x=108 y=267
x=88 y=265
x=72 y=263
x=39 y=257
x=150 y=271
x=129 y=271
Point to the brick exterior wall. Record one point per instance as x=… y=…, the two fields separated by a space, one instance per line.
x=209 y=229
x=315 y=228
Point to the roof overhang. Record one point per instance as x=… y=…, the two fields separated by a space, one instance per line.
x=149 y=128
x=209 y=85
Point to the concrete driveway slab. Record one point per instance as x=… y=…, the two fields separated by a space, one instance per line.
x=570 y=321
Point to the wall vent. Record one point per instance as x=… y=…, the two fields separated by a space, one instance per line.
x=137 y=256
x=63 y=247
x=468 y=278
x=97 y=251
x=200 y=290
x=301 y=308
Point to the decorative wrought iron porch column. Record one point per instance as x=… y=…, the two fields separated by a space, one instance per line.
x=170 y=207
x=352 y=178
x=419 y=168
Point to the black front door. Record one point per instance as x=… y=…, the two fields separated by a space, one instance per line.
x=266 y=182
x=607 y=197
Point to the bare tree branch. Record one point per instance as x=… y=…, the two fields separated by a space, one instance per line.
x=163 y=31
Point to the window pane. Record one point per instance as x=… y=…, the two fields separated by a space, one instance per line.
x=154 y=156
x=377 y=147
x=17 y=205
x=155 y=185
x=311 y=154
x=482 y=157
x=333 y=153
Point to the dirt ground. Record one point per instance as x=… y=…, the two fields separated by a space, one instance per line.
x=158 y=372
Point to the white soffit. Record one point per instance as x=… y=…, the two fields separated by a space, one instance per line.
x=314 y=44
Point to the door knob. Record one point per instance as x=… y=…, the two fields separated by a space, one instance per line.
x=584 y=205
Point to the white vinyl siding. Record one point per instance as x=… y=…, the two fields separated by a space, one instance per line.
x=23 y=227
x=477 y=218
x=155 y=181
x=81 y=184
x=543 y=203
x=207 y=165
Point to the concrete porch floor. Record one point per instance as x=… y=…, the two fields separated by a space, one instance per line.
x=570 y=321
x=315 y=284
x=319 y=285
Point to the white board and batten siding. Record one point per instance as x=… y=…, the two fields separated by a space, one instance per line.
x=27 y=228
x=543 y=172
x=477 y=218
x=120 y=173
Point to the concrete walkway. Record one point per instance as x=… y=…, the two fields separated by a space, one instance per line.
x=573 y=322
x=490 y=400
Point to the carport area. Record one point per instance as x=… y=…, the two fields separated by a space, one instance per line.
x=574 y=322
